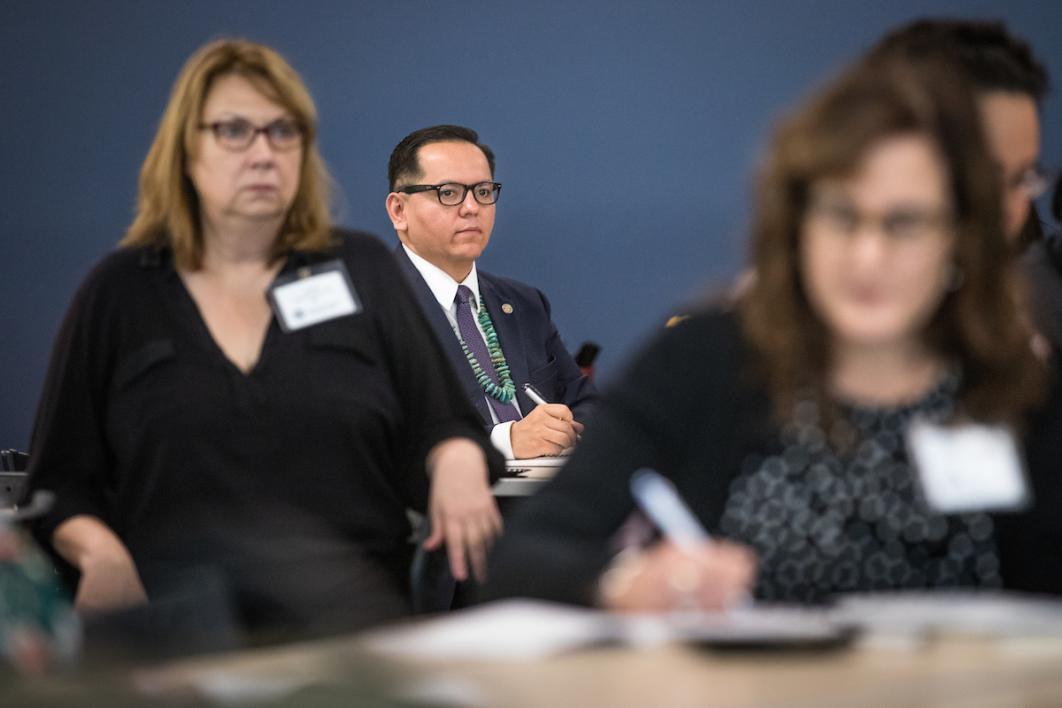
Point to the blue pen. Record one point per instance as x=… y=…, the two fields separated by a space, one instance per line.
x=657 y=497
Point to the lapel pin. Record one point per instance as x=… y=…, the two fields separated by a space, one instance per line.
x=507 y=308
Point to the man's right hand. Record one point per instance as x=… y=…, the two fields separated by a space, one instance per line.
x=547 y=430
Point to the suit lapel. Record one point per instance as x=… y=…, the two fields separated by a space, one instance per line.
x=444 y=333
x=508 y=328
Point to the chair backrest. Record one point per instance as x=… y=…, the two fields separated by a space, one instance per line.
x=12 y=477
x=584 y=358
x=12 y=460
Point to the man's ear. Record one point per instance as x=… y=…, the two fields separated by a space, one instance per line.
x=396 y=211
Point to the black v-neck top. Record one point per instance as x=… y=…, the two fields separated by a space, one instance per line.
x=292 y=478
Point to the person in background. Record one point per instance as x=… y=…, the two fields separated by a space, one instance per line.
x=497 y=332
x=1010 y=83
x=242 y=397
x=885 y=294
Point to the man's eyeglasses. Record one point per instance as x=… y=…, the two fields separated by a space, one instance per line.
x=237 y=134
x=452 y=193
x=1034 y=181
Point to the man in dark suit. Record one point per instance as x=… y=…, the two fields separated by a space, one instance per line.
x=497 y=332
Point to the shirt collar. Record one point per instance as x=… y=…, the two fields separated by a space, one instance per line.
x=442 y=286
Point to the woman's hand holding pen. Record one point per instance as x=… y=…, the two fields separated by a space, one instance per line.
x=712 y=576
x=686 y=571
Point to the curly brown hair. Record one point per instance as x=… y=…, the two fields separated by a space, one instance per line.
x=168 y=206
x=977 y=325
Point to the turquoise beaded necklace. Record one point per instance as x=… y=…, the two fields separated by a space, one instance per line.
x=507 y=390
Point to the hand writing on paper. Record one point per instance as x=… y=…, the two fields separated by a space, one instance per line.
x=548 y=429
x=713 y=576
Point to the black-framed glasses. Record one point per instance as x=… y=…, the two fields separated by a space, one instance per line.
x=237 y=134
x=452 y=193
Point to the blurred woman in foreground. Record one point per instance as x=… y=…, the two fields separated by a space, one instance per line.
x=885 y=294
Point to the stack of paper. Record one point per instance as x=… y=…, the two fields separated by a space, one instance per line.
x=517 y=630
x=971 y=613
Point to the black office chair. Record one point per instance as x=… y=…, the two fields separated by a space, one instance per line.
x=12 y=477
x=13 y=461
x=584 y=358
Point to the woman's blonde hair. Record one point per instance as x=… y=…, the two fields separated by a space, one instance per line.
x=168 y=206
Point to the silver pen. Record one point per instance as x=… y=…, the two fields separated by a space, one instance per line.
x=540 y=400
x=534 y=395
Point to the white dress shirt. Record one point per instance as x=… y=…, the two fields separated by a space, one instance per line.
x=444 y=288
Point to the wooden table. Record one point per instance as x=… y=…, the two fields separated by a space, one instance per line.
x=968 y=672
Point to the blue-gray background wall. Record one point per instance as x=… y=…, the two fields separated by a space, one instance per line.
x=626 y=132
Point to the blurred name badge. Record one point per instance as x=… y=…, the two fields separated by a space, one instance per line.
x=313 y=294
x=968 y=468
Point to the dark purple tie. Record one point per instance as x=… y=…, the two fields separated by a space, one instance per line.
x=466 y=324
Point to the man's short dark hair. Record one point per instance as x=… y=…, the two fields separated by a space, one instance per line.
x=991 y=57
x=404 y=165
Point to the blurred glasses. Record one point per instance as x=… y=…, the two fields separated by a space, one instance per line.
x=908 y=223
x=237 y=134
x=1034 y=181
x=452 y=193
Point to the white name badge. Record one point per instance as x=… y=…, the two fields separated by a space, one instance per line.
x=968 y=468
x=312 y=295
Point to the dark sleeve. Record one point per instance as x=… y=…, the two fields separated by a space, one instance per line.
x=434 y=407
x=579 y=391
x=560 y=541
x=1041 y=265
x=68 y=451
x=1031 y=541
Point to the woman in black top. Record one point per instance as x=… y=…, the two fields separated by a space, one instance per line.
x=883 y=292
x=187 y=434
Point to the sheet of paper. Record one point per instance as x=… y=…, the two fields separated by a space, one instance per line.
x=539 y=462
x=535 y=467
x=518 y=630
x=514 y=630
x=972 y=613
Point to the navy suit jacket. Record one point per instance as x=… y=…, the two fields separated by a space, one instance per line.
x=528 y=338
